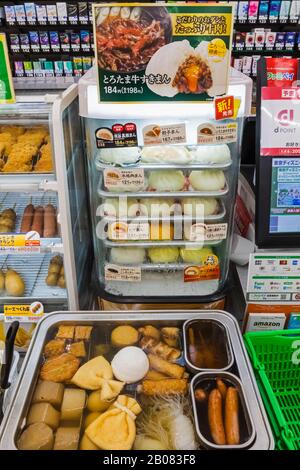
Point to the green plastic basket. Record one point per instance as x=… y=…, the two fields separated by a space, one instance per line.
x=275 y=356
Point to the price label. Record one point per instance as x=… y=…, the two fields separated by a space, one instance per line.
x=114 y=272
x=212 y=232
x=25 y=313
x=21 y=242
x=132 y=231
x=124 y=180
x=158 y=135
x=210 y=270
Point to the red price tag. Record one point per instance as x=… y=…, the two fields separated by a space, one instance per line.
x=224 y=108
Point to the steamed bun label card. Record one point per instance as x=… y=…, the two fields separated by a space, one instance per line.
x=154 y=134
x=209 y=271
x=114 y=272
x=129 y=231
x=124 y=180
x=162 y=52
x=209 y=133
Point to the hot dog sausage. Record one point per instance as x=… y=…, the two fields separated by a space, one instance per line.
x=222 y=388
x=50 y=227
x=38 y=220
x=232 y=416
x=215 y=418
x=27 y=219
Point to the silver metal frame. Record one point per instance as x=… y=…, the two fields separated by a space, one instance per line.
x=15 y=416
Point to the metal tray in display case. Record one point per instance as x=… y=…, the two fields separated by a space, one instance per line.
x=14 y=420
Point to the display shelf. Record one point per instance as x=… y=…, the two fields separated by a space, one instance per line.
x=163 y=166
x=25 y=181
x=48 y=83
x=33 y=275
x=159 y=267
x=168 y=194
x=272 y=52
x=172 y=218
x=19 y=201
x=160 y=284
x=160 y=243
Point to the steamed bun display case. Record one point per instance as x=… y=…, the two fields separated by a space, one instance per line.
x=162 y=184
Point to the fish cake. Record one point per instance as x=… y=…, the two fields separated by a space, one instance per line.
x=55 y=347
x=60 y=368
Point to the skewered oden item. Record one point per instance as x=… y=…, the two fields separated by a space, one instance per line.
x=27 y=219
x=7 y=221
x=50 y=227
x=43 y=220
x=56 y=274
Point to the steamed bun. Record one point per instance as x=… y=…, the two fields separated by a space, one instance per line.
x=158 y=207
x=164 y=180
x=127 y=255
x=211 y=154
x=114 y=207
x=166 y=154
x=195 y=255
x=203 y=205
x=166 y=254
x=207 y=180
x=119 y=156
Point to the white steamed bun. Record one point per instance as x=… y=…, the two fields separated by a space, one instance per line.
x=166 y=154
x=114 y=207
x=207 y=180
x=206 y=205
x=164 y=180
x=119 y=156
x=211 y=154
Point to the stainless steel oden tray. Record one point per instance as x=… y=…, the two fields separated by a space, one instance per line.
x=15 y=417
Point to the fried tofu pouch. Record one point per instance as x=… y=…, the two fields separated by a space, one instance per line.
x=97 y=374
x=115 y=429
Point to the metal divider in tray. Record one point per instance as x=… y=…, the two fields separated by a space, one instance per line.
x=33 y=274
x=222 y=336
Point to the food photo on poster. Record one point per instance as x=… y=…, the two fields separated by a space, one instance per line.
x=149 y=52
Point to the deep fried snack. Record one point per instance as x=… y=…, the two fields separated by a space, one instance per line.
x=159 y=364
x=163 y=387
x=170 y=335
x=151 y=331
x=64 y=331
x=83 y=332
x=159 y=348
x=78 y=349
x=55 y=347
x=60 y=368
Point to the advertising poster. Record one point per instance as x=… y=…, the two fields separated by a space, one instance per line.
x=149 y=52
x=285 y=195
x=7 y=93
x=280 y=117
